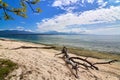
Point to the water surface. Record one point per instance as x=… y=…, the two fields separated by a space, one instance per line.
x=109 y=43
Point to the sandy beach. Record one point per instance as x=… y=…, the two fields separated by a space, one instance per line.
x=39 y=63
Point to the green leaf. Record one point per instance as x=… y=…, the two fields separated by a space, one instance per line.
x=7 y=17
x=5 y=4
x=23 y=4
x=34 y=1
x=19 y=11
x=23 y=15
x=23 y=9
x=0 y=1
x=38 y=10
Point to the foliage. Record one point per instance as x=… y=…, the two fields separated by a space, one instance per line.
x=21 y=11
x=6 y=66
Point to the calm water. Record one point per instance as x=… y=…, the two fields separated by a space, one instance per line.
x=92 y=42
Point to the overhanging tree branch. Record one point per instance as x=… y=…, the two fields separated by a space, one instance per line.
x=18 y=11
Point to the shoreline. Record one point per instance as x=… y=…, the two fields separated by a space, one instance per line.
x=109 y=44
x=75 y=50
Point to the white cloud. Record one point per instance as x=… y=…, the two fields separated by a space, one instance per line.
x=20 y=28
x=103 y=4
x=67 y=4
x=62 y=23
x=61 y=3
x=69 y=9
x=22 y=22
x=57 y=3
x=105 y=31
x=100 y=2
x=29 y=30
x=117 y=1
x=90 y=1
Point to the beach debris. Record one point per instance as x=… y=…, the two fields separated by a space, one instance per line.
x=33 y=47
x=78 y=62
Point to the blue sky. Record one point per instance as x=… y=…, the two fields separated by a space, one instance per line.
x=79 y=16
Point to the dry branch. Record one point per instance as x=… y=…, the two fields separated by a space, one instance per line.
x=75 y=64
x=32 y=47
x=109 y=62
x=85 y=60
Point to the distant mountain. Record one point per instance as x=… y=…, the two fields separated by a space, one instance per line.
x=7 y=32
x=52 y=32
x=57 y=33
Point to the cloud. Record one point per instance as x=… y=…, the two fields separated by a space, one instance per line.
x=115 y=30
x=102 y=4
x=117 y=1
x=20 y=28
x=22 y=22
x=90 y=1
x=29 y=30
x=63 y=22
x=61 y=3
x=70 y=5
x=67 y=5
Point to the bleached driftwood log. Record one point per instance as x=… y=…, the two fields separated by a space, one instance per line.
x=75 y=63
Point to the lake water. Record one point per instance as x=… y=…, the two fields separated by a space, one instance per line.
x=107 y=43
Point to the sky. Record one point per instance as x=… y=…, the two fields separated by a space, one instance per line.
x=71 y=16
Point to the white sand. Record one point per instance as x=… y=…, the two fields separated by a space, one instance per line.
x=40 y=64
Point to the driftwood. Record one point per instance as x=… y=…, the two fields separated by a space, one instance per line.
x=32 y=47
x=76 y=62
